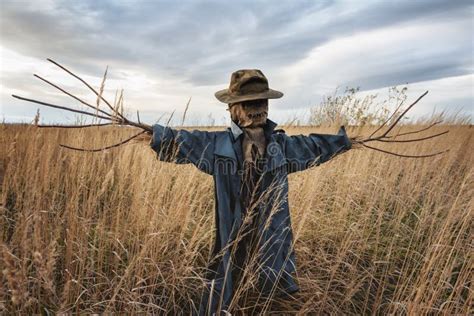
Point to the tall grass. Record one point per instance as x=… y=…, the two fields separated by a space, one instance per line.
x=120 y=231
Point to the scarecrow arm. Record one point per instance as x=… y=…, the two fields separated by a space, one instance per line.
x=182 y=146
x=303 y=152
x=383 y=134
x=114 y=115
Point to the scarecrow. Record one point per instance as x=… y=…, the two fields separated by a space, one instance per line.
x=249 y=162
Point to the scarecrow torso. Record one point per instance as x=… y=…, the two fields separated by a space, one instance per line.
x=273 y=224
x=220 y=155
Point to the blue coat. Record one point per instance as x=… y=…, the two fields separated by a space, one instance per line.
x=219 y=154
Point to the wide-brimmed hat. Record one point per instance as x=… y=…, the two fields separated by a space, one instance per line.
x=246 y=85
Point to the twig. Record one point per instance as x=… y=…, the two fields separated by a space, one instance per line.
x=74 y=126
x=385 y=138
x=410 y=140
x=401 y=115
x=103 y=148
x=70 y=94
x=86 y=84
x=405 y=156
x=418 y=131
x=61 y=107
x=387 y=120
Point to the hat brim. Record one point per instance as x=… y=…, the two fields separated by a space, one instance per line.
x=225 y=97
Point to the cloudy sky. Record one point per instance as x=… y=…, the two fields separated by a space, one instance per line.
x=164 y=52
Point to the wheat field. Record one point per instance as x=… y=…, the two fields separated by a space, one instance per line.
x=120 y=231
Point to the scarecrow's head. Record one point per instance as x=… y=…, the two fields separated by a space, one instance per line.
x=247 y=97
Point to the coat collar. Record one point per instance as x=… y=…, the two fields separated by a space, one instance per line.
x=226 y=145
x=237 y=131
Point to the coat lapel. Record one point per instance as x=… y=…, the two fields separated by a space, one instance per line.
x=224 y=146
x=274 y=153
x=227 y=145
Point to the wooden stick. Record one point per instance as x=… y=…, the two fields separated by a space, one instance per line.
x=71 y=95
x=86 y=84
x=405 y=156
x=73 y=126
x=103 y=148
x=401 y=115
x=418 y=131
x=410 y=140
x=387 y=120
x=61 y=107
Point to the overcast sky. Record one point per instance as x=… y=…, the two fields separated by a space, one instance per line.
x=163 y=52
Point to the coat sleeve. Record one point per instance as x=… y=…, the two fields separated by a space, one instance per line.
x=303 y=152
x=182 y=147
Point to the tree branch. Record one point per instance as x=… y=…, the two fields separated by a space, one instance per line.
x=404 y=156
x=62 y=107
x=73 y=126
x=87 y=85
x=70 y=94
x=103 y=148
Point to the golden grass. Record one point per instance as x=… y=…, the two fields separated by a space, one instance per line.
x=121 y=231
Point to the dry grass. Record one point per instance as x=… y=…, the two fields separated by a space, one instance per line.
x=121 y=231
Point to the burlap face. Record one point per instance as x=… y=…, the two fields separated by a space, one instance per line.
x=249 y=113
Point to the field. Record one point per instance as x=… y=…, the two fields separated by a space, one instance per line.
x=120 y=231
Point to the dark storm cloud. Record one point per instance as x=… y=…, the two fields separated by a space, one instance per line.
x=432 y=70
x=203 y=41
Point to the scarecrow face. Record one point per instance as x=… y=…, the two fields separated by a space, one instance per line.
x=249 y=113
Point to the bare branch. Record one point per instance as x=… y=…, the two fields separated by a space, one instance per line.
x=103 y=148
x=418 y=131
x=70 y=94
x=404 y=156
x=74 y=126
x=387 y=120
x=410 y=140
x=86 y=84
x=116 y=116
x=401 y=115
x=62 y=107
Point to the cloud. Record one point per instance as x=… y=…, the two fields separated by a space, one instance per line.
x=161 y=52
